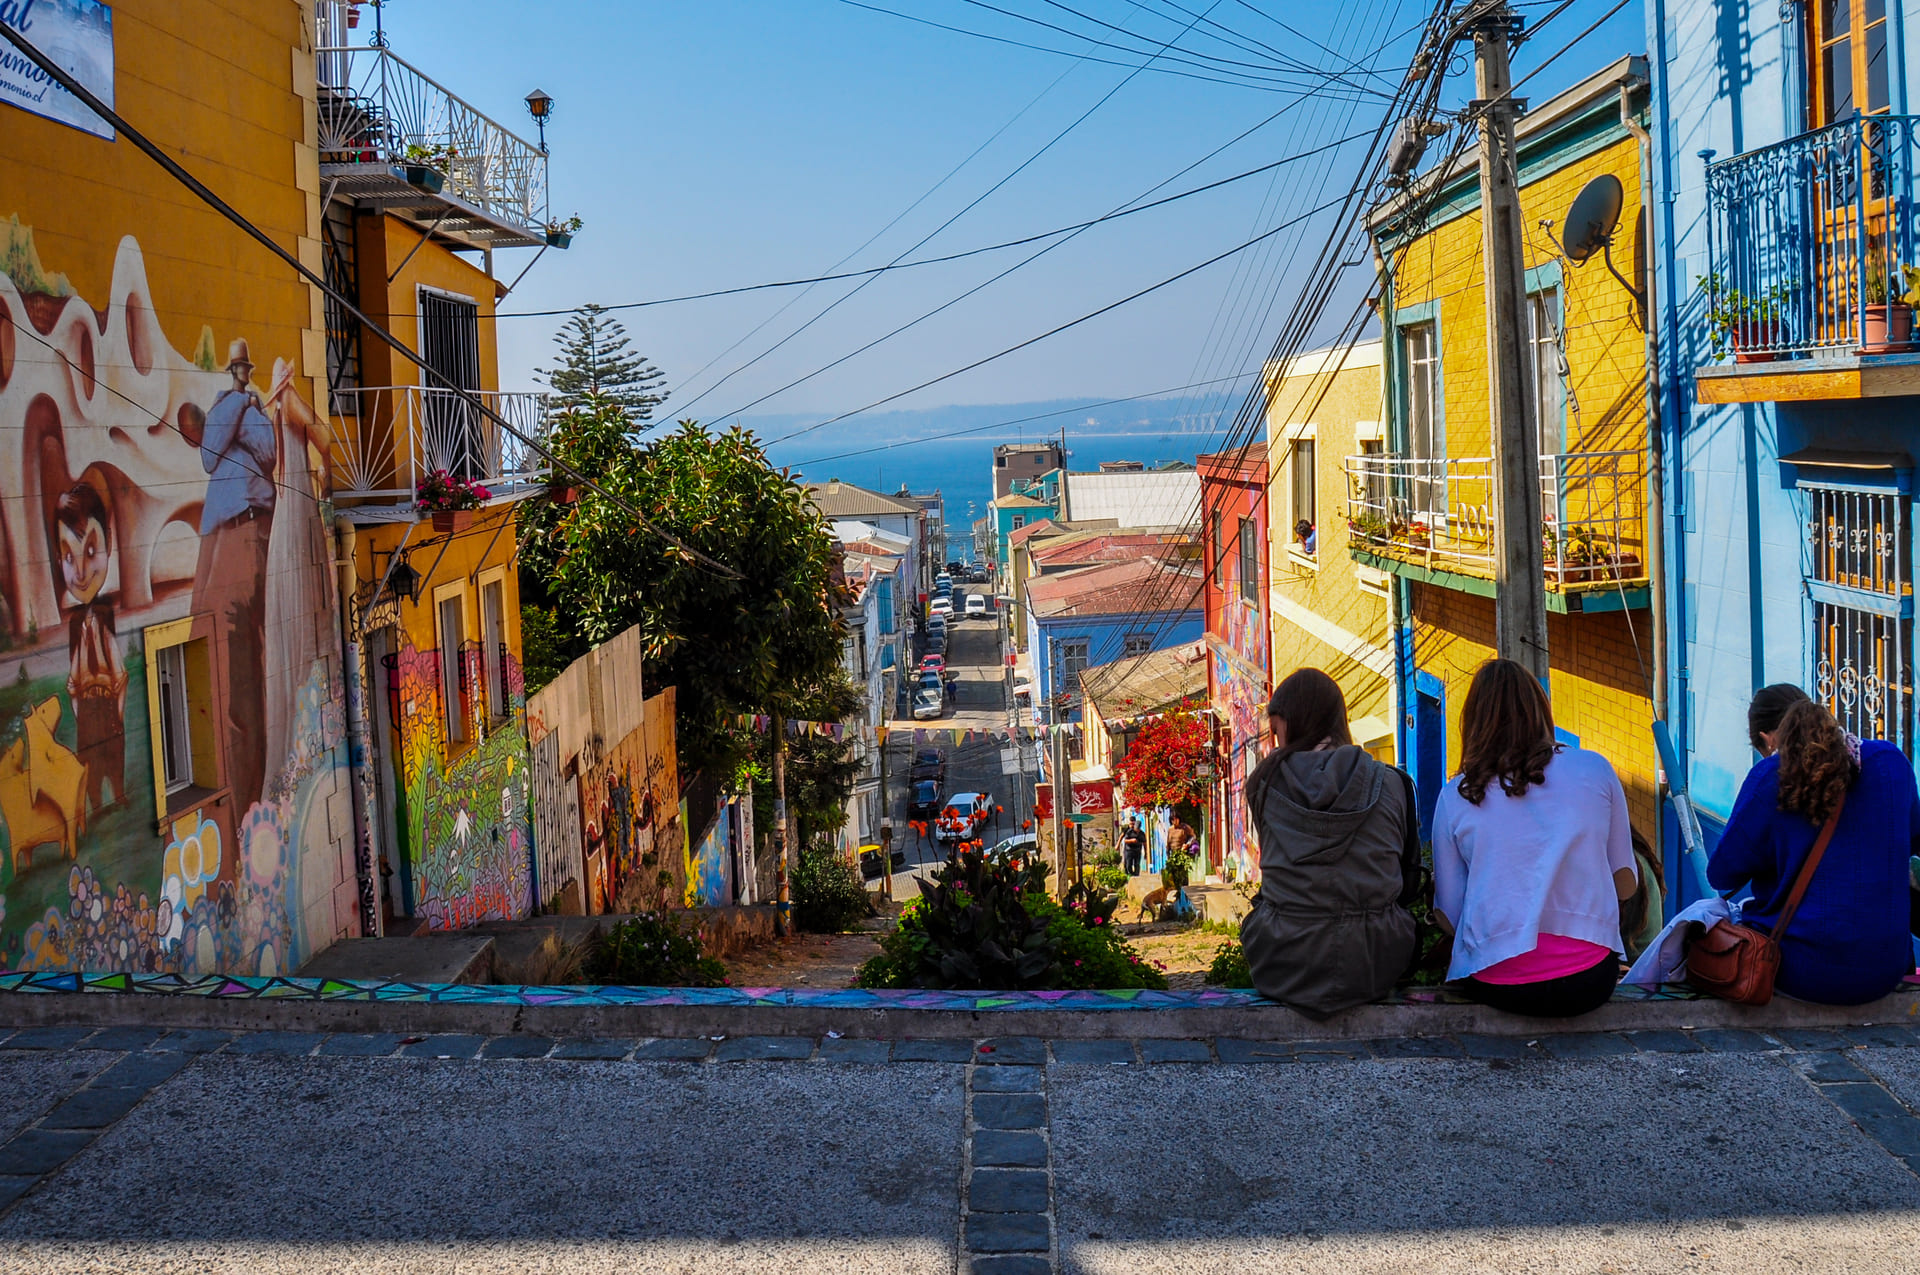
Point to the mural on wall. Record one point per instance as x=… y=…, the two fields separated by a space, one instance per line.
x=707 y=884
x=144 y=487
x=1244 y=690
x=1245 y=630
x=467 y=821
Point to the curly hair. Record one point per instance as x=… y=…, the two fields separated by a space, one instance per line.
x=1816 y=766
x=1506 y=732
x=1770 y=704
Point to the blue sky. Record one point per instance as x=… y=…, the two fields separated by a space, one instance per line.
x=714 y=143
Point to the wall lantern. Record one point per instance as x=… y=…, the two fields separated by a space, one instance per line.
x=540 y=106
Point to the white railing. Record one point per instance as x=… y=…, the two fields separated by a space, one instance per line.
x=387 y=438
x=1439 y=513
x=375 y=108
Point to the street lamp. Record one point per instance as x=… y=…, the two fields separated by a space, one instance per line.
x=540 y=106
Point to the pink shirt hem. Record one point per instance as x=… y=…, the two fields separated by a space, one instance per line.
x=1555 y=956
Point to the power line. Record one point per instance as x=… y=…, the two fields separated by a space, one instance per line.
x=60 y=76
x=1126 y=211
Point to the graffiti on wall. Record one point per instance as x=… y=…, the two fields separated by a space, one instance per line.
x=467 y=809
x=1245 y=695
x=150 y=492
x=707 y=884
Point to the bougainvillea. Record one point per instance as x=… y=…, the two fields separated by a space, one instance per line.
x=1159 y=770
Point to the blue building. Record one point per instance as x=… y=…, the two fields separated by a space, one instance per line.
x=1082 y=619
x=1783 y=163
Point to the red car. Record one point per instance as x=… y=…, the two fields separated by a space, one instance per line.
x=938 y=663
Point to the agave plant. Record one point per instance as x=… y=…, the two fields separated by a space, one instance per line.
x=978 y=931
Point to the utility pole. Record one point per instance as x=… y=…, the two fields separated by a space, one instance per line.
x=1062 y=800
x=1520 y=597
x=782 y=843
x=886 y=818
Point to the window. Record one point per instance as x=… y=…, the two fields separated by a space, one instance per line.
x=1426 y=435
x=1547 y=363
x=1073 y=661
x=1249 y=559
x=1135 y=644
x=182 y=706
x=493 y=654
x=1861 y=576
x=1019 y=521
x=1305 y=508
x=1219 y=550
x=1374 y=489
x=453 y=681
x=1850 y=60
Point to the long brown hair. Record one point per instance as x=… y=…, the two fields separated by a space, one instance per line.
x=1311 y=705
x=1506 y=732
x=1816 y=765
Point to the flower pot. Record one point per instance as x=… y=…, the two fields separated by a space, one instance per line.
x=1886 y=328
x=560 y=495
x=447 y=521
x=353 y=17
x=427 y=179
x=1763 y=332
x=559 y=239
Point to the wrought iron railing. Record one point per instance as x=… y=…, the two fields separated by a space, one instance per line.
x=375 y=108
x=1812 y=242
x=387 y=438
x=1439 y=514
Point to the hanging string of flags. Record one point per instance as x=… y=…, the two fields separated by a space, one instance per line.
x=762 y=724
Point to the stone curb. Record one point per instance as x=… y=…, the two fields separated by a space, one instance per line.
x=159 y=1010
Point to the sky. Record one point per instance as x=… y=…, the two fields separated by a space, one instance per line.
x=712 y=144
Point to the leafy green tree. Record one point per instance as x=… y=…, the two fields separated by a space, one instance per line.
x=765 y=639
x=596 y=363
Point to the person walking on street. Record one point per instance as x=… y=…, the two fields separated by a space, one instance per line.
x=1339 y=858
x=1133 y=844
x=1532 y=853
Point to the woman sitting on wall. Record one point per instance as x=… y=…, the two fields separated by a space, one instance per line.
x=1848 y=942
x=1532 y=853
x=1339 y=858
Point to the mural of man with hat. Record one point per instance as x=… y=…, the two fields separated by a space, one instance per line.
x=238 y=451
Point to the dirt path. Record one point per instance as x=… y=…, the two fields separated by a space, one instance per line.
x=1182 y=954
x=804 y=960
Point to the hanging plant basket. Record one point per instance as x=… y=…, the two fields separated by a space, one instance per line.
x=447 y=521
x=559 y=239
x=426 y=178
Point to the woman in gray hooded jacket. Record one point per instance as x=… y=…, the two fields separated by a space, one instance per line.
x=1339 y=858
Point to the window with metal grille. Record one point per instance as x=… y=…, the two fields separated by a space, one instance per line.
x=1135 y=644
x=1860 y=578
x=1249 y=559
x=1073 y=662
x=1426 y=433
x=343 y=330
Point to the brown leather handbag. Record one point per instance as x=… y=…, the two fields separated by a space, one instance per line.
x=1738 y=962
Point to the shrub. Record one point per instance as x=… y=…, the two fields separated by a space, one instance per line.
x=828 y=892
x=986 y=922
x=1229 y=968
x=1110 y=877
x=654 y=950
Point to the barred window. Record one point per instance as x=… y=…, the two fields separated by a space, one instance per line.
x=1860 y=579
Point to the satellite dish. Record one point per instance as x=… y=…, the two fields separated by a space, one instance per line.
x=1590 y=222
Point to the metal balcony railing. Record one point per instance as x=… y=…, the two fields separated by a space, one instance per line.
x=1438 y=514
x=378 y=110
x=387 y=438
x=1811 y=238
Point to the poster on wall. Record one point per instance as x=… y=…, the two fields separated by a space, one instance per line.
x=75 y=34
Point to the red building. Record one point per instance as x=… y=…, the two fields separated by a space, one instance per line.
x=1233 y=503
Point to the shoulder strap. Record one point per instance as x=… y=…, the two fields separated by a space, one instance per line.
x=1410 y=862
x=1806 y=869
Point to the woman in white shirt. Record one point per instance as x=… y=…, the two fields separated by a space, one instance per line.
x=1532 y=853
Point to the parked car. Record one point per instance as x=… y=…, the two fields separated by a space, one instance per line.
x=938 y=663
x=936 y=643
x=928 y=680
x=976 y=606
x=928 y=704
x=940 y=606
x=943 y=578
x=924 y=801
x=929 y=763
x=963 y=816
x=870 y=861
x=1018 y=843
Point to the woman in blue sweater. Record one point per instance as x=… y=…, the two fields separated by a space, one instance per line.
x=1848 y=942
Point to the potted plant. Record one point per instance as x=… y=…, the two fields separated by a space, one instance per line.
x=560 y=233
x=353 y=15
x=427 y=166
x=1742 y=323
x=1886 y=321
x=450 y=498
x=562 y=491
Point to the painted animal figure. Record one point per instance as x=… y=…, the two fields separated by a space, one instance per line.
x=41 y=785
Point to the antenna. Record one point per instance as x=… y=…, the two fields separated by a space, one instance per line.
x=1591 y=222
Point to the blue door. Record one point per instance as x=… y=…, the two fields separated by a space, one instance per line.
x=1429 y=745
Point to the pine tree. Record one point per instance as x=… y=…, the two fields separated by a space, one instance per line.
x=596 y=364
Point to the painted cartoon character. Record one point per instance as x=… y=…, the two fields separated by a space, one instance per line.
x=97 y=681
x=41 y=784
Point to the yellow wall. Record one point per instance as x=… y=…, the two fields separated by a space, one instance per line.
x=1600 y=679
x=383 y=243
x=1349 y=635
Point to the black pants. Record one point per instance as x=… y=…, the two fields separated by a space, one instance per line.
x=1563 y=997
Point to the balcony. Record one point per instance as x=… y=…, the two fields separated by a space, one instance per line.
x=1432 y=520
x=1812 y=243
x=391 y=137
x=387 y=439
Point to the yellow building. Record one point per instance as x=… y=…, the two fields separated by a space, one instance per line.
x=421 y=192
x=175 y=777
x=1327 y=611
x=1424 y=511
